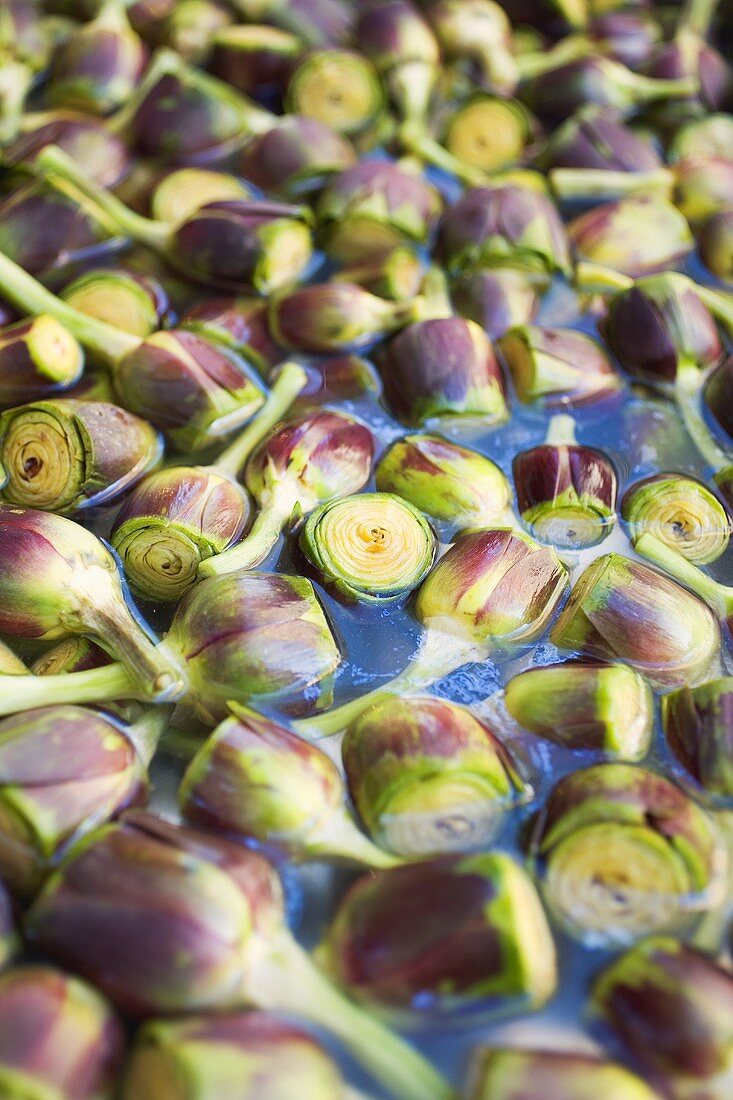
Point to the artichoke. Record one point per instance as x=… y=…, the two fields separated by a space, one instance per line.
x=38 y=358
x=681 y=513
x=557 y=366
x=508 y=1074
x=698 y=727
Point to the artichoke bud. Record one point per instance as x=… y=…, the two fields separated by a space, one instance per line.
x=707 y=136
x=315 y=22
x=38 y=357
x=134 y=303
x=296 y=157
x=99 y=64
x=602 y=708
x=176 y=518
x=371 y=546
x=10 y=665
x=65 y=581
x=504 y=226
x=396 y=274
x=682 y=513
x=58 y=1036
x=445 y=366
x=373 y=207
x=258 y=245
x=557 y=366
x=49 y=799
x=493 y=585
x=488 y=132
x=194 y=390
x=487 y=946
x=595 y=138
x=73 y=654
x=191 y=27
x=670 y=1006
x=511 y=1074
x=85 y=139
x=255 y=58
x=621 y=853
x=183 y=191
x=427 y=777
x=480 y=32
x=566 y=493
x=703 y=187
x=698 y=727
x=330 y=317
x=718 y=394
x=659 y=326
x=404 y=49
x=623 y=610
x=250 y=1055
x=64 y=455
x=341 y=88
x=239 y=324
x=637 y=236
x=715 y=244
x=453 y=484
x=338 y=378
x=497 y=300
x=251 y=636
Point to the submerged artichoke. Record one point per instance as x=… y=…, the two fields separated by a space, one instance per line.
x=698 y=727
x=508 y=1074
x=681 y=512
x=372 y=546
x=621 y=852
x=428 y=777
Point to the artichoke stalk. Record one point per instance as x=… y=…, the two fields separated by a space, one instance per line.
x=607 y=708
x=193 y=390
x=620 y=852
x=65 y=455
x=717 y=596
x=248 y=637
x=509 y=1074
x=478 y=31
x=310 y=460
x=254 y=778
x=38 y=357
x=494 y=586
x=241 y=244
x=682 y=513
x=566 y=493
x=215 y=937
x=65 y=581
x=428 y=777
x=181 y=515
x=698 y=727
x=370 y=546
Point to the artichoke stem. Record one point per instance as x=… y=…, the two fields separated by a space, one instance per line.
x=720 y=305
x=688 y=387
x=411 y=86
x=151 y=665
x=695 y=18
x=112 y=15
x=163 y=62
x=650 y=88
x=718 y=596
x=599 y=279
x=255 y=547
x=96 y=685
x=16 y=81
x=290 y=381
x=146 y=732
x=414 y=138
x=283 y=978
x=53 y=161
x=439 y=654
x=561 y=432
x=538 y=62
x=601 y=183
x=25 y=292
x=339 y=836
x=435 y=301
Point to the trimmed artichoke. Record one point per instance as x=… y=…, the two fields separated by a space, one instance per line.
x=681 y=512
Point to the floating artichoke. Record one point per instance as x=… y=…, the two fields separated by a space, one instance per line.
x=58 y=1036
x=316 y=458
x=698 y=727
x=254 y=778
x=566 y=493
x=681 y=512
x=63 y=455
x=670 y=1006
x=247 y=1055
x=558 y=366
x=135 y=303
x=428 y=777
x=507 y=1074
x=339 y=87
x=38 y=357
x=636 y=236
x=371 y=546
x=498 y=300
x=181 y=515
x=591 y=707
x=621 y=852
x=203 y=929
x=331 y=317
x=487 y=946
x=65 y=581
x=622 y=610
x=237 y=323
x=451 y=483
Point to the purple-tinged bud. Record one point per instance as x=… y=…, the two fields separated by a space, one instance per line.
x=58 y=1037
x=86 y=140
x=404 y=49
x=585 y=707
x=38 y=357
x=192 y=25
x=314 y=22
x=621 y=852
x=444 y=366
x=331 y=317
x=558 y=366
x=696 y=61
x=337 y=378
x=427 y=777
x=636 y=236
x=626 y=36
x=703 y=186
x=397 y=274
x=698 y=726
x=623 y=610
x=708 y=136
x=719 y=395
x=70 y=655
x=255 y=58
x=671 y=1007
x=596 y=138
x=237 y=323
x=715 y=243
x=509 y=1074
x=497 y=300
x=487 y=946
x=296 y=157
x=681 y=512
